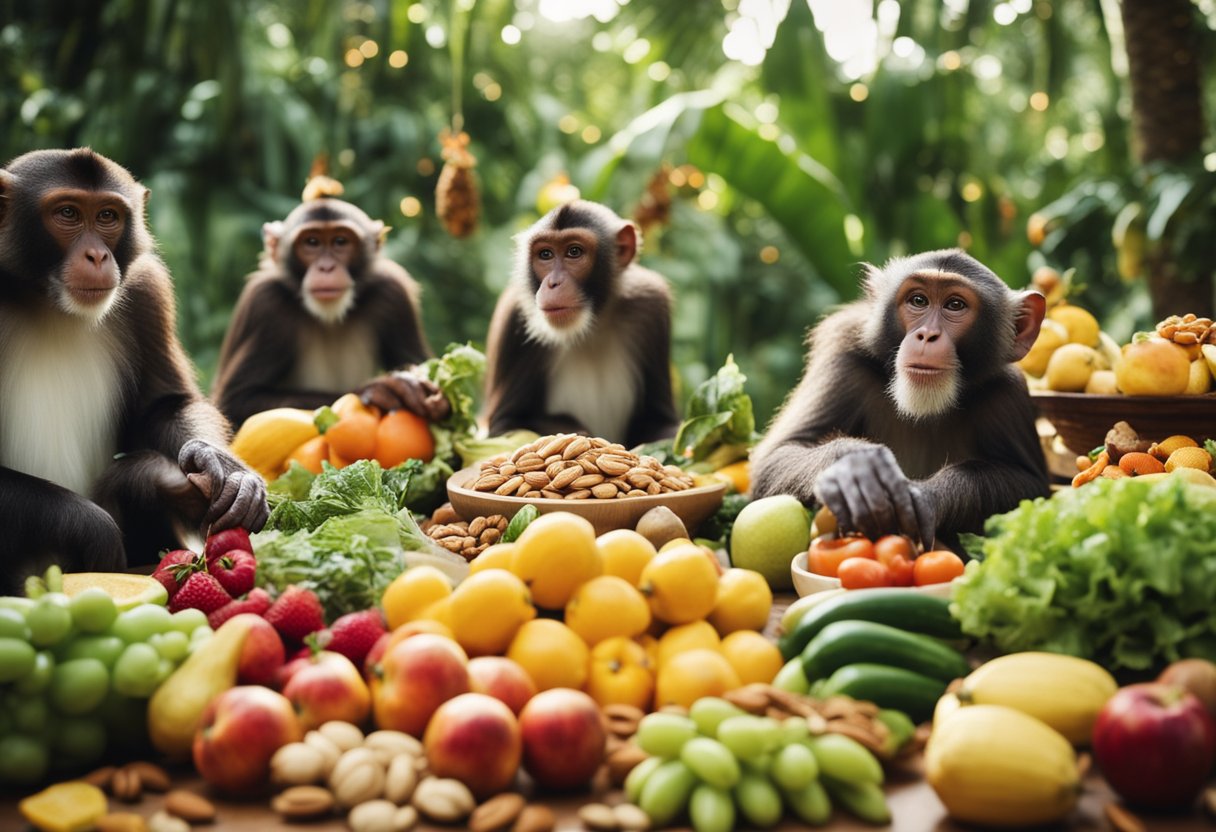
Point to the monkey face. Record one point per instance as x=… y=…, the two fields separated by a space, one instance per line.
x=87 y=226
x=326 y=254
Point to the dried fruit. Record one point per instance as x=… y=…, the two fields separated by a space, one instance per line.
x=456 y=196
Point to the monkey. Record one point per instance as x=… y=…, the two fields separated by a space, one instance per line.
x=107 y=444
x=323 y=314
x=910 y=416
x=580 y=339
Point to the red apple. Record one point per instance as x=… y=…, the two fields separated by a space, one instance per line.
x=564 y=738
x=1197 y=676
x=328 y=686
x=261 y=655
x=240 y=730
x=1155 y=744
x=474 y=738
x=416 y=676
x=502 y=678
x=221 y=542
x=375 y=655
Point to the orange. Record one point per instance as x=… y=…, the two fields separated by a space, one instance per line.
x=411 y=592
x=402 y=435
x=552 y=653
x=620 y=673
x=687 y=677
x=487 y=609
x=754 y=658
x=497 y=556
x=625 y=553
x=310 y=454
x=555 y=555
x=337 y=460
x=681 y=584
x=440 y=611
x=354 y=435
x=1189 y=458
x=607 y=606
x=695 y=635
x=744 y=602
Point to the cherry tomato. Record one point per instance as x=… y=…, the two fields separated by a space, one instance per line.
x=888 y=546
x=937 y=567
x=857 y=573
x=827 y=553
x=901 y=569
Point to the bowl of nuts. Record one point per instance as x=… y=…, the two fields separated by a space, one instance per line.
x=592 y=477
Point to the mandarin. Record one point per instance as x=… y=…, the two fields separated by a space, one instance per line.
x=402 y=435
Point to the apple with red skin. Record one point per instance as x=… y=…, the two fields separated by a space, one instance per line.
x=240 y=731
x=222 y=542
x=475 y=739
x=502 y=678
x=415 y=677
x=262 y=655
x=564 y=738
x=1155 y=744
x=375 y=655
x=328 y=686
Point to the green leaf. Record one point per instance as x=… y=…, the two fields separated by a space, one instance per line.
x=1171 y=199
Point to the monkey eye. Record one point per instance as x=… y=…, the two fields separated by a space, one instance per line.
x=956 y=304
x=574 y=251
x=68 y=212
x=340 y=241
x=312 y=241
x=918 y=300
x=107 y=215
x=545 y=253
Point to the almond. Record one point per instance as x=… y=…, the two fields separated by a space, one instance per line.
x=125 y=785
x=152 y=777
x=190 y=807
x=597 y=816
x=535 y=817
x=100 y=777
x=630 y=817
x=1123 y=820
x=622 y=761
x=122 y=822
x=576 y=447
x=498 y=812
x=300 y=802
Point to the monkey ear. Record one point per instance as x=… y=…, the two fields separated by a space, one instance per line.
x=1029 y=308
x=379 y=231
x=627 y=243
x=272 y=232
x=7 y=180
x=147 y=196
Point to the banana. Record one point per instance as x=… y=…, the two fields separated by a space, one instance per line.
x=995 y=766
x=266 y=439
x=1063 y=691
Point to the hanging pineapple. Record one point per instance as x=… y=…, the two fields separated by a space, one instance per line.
x=654 y=208
x=320 y=184
x=456 y=198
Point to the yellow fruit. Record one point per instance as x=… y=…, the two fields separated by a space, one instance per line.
x=1153 y=368
x=1102 y=383
x=754 y=658
x=497 y=556
x=439 y=612
x=1189 y=458
x=1167 y=446
x=624 y=553
x=995 y=766
x=1208 y=351
x=1069 y=368
x=744 y=602
x=1200 y=379
x=681 y=584
x=1051 y=283
x=1081 y=325
x=411 y=592
x=126 y=590
x=946 y=706
x=607 y=606
x=687 y=677
x=673 y=543
x=556 y=555
x=267 y=438
x=65 y=807
x=695 y=635
x=1063 y=691
x=621 y=673
x=738 y=475
x=651 y=645
x=1052 y=336
x=487 y=609
x=552 y=653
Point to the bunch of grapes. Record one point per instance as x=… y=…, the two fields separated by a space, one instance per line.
x=720 y=762
x=76 y=674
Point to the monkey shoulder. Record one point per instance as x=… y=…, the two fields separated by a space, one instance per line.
x=390 y=280
x=642 y=286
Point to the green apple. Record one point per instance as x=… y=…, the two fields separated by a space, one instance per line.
x=768 y=533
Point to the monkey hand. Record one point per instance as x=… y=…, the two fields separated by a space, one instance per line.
x=869 y=493
x=236 y=496
x=403 y=390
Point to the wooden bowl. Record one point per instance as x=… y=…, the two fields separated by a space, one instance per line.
x=807 y=582
x=1082 y=420
x=692 y=506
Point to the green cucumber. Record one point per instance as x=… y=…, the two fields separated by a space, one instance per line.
x=894 y=688
x=851 y=642
x=898 y=607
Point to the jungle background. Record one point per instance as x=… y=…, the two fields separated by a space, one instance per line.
x=767 y=147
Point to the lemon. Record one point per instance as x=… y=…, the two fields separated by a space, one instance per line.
x=744 y=602
x=411 y=592
x=687 y=677
x=497 y=556
x=1209 y=355
x=624 y=553
x=681 y=584
x=1069 y=368
x=1102 y=383
x=1081 y=325
x=621 y=673
x=556 y=555
x=695 y=635
x=768 y=533
x=754 y=658
x=552 y=653
x=1200 y=379
x=1153 y=368
x=607 y=606
x=487 y=609
x=1052 y=336
x=127 y=590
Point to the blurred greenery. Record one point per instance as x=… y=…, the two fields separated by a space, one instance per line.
x=784 y=170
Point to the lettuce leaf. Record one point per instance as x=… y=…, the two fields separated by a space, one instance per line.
x=1122 y=572
x=719 y=413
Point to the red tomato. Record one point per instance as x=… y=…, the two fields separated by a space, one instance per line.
x=857 y=573
x=901 y=570
x=889 y=546
x=937 y=567
x=827 y=553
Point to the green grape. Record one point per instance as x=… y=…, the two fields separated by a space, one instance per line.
x=709 y=711
x=188 y=620
x=30 y=715
x=793 y=767
x=164 y=669
x=792 y=677
x=22 y=759
x=78 y=741
x=810 y=803
x=711 y=761
x=663 y=735
x=200 y=637
x=12 y=625
x=49 y=620
x=711 y=810
x=638 y=776
x=93 y=610
x=866 y=800
x=106 y=649
x=53 y=578
x=39 y=677
x=758 y=799
x=759 y=765
x=749 y=736
x=666 y=792
x=16 y=659
x=141 y=623
x=172 y=645
x=844 y=758
x=17 y=603
x=135 y=672
x=794 y=729
x=79 y=685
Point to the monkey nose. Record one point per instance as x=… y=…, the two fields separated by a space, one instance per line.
x=96 y=256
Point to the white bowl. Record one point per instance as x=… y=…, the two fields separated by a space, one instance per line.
x=807 y=582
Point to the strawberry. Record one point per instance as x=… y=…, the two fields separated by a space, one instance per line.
x=175 y=567
x=202 y=592
x=296 y=613
x=234 y=570
x=223 y=542
x=353 y=635
x=257 y=602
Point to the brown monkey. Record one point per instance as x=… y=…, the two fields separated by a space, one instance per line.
x=323 y=314
x=101 y=419
x=581 y=337
x=910 y=417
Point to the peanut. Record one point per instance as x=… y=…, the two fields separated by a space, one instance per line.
x=443 y=799
x=297 y=764
x=498 y=812
x=535 y=818
x=373 y=816
x=597 y=816
x=190 y=807
x=301 y=802
x=401 y=779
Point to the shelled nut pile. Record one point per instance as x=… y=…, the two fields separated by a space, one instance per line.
x=1187 y=330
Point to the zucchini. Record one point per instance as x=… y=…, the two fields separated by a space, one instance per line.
x=850 y=642
x=898 y=607
x=895 y=688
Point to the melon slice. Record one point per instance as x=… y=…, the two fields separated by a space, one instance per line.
x=126 y=589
